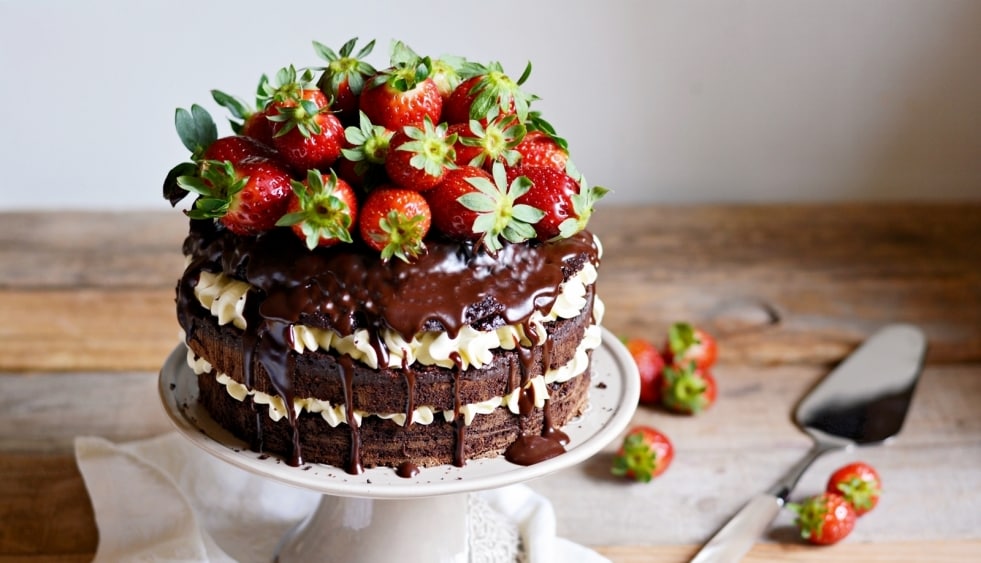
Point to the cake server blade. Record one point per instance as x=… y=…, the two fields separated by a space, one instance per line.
x=862 y=401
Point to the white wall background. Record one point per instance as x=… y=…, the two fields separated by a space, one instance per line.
x=666 y=101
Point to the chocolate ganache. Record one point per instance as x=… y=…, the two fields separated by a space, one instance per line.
x=349 y=288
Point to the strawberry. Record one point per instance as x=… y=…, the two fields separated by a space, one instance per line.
x=237 y=148
x=824 y=519
x=362 y=159
x=403 y=94
x=481 y=146
x=540 y=149
x=687 y=390
x=488 y=88
x=197 y=131
x=446 y=74
x=253 y=120
x=644 y=454
x=566 y=201
x=306 y=134
x=344 y=77
x=650 y=366
x=322 y=211
x=418 y=158
x=247 y=197
x=859 y=484
x=394 y=221
x=687 y=343
x=472 y=205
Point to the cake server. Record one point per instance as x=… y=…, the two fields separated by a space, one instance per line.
x=862 y=401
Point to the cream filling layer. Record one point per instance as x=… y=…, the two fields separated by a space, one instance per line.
x=225 y=298
x=335 y=414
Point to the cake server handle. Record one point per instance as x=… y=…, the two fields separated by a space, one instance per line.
x=739 y=534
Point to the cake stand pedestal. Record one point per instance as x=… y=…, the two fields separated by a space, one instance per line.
x=379 y=516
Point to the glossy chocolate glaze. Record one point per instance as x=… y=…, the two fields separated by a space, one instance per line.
x=346 y=288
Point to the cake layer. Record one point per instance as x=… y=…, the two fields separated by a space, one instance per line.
x=381 y=442
x=322 y=375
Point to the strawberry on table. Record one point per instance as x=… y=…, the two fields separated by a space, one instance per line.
x=650 y=366
x=322 y=211
x=688 y=343
x=859 y=483
x=394 y=221
x=645 y=453
x=247 y=197
x=687 y=390
x=472 y=205
x=344 y=77
x=418 y=158
x=824 y=519
x=403 y=94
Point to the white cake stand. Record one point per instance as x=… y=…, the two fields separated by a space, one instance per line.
x=379 y=516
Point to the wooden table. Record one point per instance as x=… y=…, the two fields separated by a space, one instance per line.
x=87 y=305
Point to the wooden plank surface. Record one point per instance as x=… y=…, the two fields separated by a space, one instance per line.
x=87 y=307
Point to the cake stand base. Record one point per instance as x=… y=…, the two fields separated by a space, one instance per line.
x=430 y=529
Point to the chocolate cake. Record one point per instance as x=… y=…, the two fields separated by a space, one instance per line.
x=404 y=347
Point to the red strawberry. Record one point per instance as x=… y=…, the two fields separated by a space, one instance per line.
x=471 y=205
x=481 y=146
x=824 y=519
x=248 y=197
x=687 y=390
x=322 y=211
x=394 y=221
x=859 y=483
x=402 y=94
x=539 y=149
x=237 y=148
x=566 y=201
x=249 y=120
x=551 y=191
x=446 y=74
x=488 y=90
x=645 y=454
x=650 y=366
x=344 y=77
x=418 y=158
x=305 y=133
x=687 y=343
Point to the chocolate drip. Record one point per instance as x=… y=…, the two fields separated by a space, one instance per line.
x=459 y=421
x=272 y=351
x=407 y=470
x=354 y=465
x=410 y=388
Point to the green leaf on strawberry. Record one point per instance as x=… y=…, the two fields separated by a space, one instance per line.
x=196 y=129
x=497 y=213
x=582 y=203
x=323 y=212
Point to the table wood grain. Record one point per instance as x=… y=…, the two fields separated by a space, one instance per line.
x=87 y=309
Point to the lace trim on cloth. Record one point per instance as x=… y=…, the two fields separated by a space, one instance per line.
x=493 y=539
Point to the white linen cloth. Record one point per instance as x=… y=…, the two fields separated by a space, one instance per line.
x=162 y=499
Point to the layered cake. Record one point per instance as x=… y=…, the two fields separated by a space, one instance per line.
x=388 y=267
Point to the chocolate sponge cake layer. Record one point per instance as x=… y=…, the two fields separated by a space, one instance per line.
x=382 y=442
x=318 y=374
